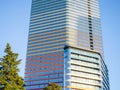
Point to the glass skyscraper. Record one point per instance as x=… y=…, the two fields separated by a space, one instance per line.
x=65 y=46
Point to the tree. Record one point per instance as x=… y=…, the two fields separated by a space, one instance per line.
x=9 y=77
x=53 y=86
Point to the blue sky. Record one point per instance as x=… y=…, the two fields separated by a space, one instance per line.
x=14 y=26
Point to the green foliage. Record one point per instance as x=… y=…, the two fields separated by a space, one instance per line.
x=9 y=78
x=53 y=86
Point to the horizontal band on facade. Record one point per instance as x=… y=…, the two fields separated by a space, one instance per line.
x=87 y=66
x=97 y=79
x=99 y=85
x=39 y=85
x=43 y=79
x=33 y=76
x=43 y=52
x=46 y=59
x=86 y=72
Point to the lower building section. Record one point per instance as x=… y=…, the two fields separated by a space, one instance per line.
x=84 y=70
x=73 y=69
x=42 y=69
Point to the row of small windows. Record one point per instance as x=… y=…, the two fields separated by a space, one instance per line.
x=44 y=62
x=84 y=23
x=44 y=65
x=56 y=57
x=81 y=9
x=80 y=5
x=45 y=77
x=77 y=24
x=39 y=47
x=49 y=33
x=84 y=45
x=48 y=26
x=60 y=30
x=36 y=30
x=39 y=73
x=30 y=71
x=45 y=50
x=49 y=16
x=87 y=81
x=85 y=69
x=84 y=63
x=51 y=23
x=37 y=43
x=48 y=20
x=94 y=3
x=43 y=85
x=83 y=18
x=44 y=3
x=53 y=37
x=42 y=8
x=61 y=17
x=48 y=36
x=80 y=40
x=84 y=86
x=83 y=54
x=40 y=31
x=82 y=58
x=94 y=55
x=33 y=15
x=85 y=75
x=51 y=5
x=48 y=13
x=48 y=76
x=45 y=47
x=96 y=32
x=46 y=42
x=83 y=29
x=48 y=10
x=57 y=53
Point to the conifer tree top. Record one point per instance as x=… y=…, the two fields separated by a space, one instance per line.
x=9 y=77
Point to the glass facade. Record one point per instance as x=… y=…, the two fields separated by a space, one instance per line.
x=65 y=46
x=85 y=70
x=83 y=24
